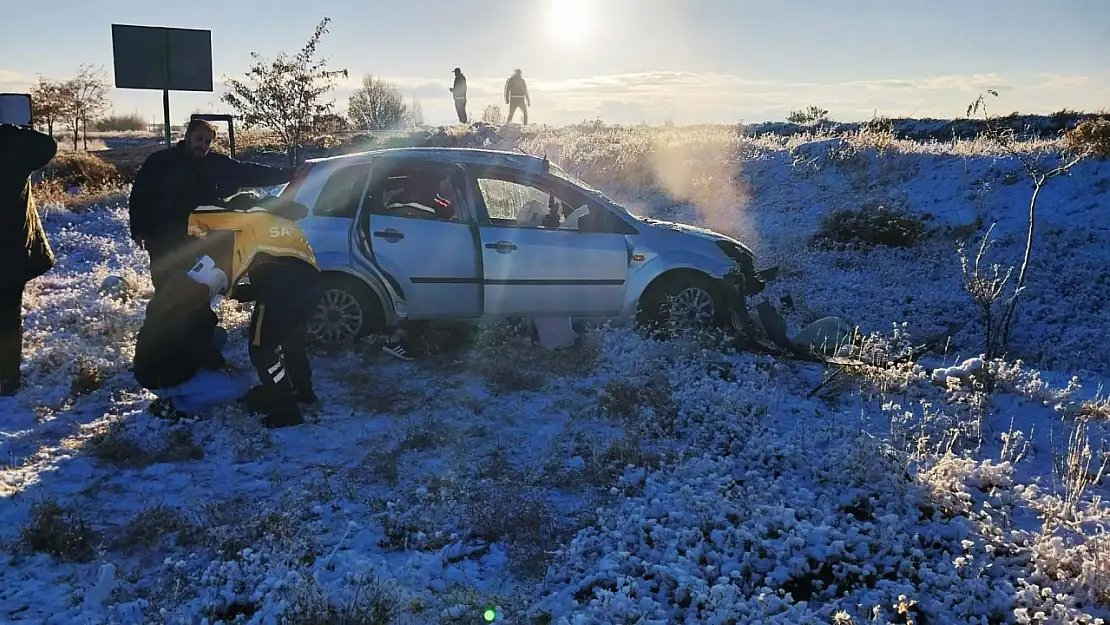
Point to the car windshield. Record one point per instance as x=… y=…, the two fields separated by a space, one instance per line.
x=559 y=172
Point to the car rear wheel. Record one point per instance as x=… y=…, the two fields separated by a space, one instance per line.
x=347 y=311
x=686 y=302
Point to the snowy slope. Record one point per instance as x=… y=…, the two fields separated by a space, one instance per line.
x=670 y=481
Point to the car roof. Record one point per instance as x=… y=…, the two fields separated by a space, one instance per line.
x=466 y=156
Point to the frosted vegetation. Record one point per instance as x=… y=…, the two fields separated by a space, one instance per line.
x=625 y=480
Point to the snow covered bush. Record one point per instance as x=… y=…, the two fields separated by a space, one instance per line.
x=869 y=226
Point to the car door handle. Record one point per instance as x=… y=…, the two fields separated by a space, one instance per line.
x=389 y=234
x=502 y=246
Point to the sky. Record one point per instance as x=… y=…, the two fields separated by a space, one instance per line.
x=623 y=61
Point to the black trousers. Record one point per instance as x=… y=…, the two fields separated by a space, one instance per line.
x=515 y=104
x=460 y=108
x=278 y=342
x=11 y=332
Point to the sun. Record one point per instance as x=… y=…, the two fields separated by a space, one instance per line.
x=569 y=20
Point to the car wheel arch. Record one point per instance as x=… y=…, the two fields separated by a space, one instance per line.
x=372 y=303
x=676 y=276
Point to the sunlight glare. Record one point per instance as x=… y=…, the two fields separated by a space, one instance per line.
x=569 y=19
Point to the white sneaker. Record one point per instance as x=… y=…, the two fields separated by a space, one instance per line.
x=397 y=350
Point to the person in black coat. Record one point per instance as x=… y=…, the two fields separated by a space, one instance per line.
x=175 y=181
x=25 y=253
x=458 y=91
x=178 y=353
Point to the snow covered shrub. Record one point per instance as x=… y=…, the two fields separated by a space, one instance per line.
x=869 y=226
x=640 y=403
x=81 y=169
x=116 y=444
x=86 y=377
x=59 y=531
x=151 y=526
x=369 y=601
x=1096 y=409
x=1091 y=136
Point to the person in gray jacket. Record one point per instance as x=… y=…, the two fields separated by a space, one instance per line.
x=516 y=96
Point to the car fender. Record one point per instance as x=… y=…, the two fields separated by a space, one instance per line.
x=375 y=284
x=644 y=275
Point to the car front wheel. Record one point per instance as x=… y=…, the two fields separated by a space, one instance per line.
x=683 y=303
x=347 y=311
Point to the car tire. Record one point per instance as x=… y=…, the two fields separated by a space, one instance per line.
x=703 y=305
x=348 y=310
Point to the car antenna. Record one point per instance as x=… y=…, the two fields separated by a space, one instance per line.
x=522 y=150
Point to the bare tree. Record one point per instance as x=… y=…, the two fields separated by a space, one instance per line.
x=87 y=93
x=377 y=105
x=285 y=95
x=50 y=102
x=492 y=114
x=415 y=115
x=986 y=289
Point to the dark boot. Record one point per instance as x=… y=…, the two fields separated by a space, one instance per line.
x=277 y=398
x=164 y=409
x=10 y=385
x=295 y=358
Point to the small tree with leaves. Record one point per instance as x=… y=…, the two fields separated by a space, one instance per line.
x=285 y=95
x=50 y=103
x=810 y=115
x=997 y=303
x=377 y=105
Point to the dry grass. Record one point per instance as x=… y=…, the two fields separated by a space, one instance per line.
x=60 y=532
x=113 y=444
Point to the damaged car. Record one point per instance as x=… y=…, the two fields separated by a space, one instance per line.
x=459 y=233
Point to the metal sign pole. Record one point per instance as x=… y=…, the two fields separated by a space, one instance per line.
x=166 y=84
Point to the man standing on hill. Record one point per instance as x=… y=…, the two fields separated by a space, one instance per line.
x=25 y=253
x=173 y=182
x=459 y=91
x=516 y=96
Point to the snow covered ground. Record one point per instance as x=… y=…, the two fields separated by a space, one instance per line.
x=625 y=481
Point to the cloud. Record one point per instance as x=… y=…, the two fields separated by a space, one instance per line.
x=1061 y=81
x=13 y=81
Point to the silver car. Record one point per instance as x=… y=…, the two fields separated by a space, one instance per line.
x=446 y=233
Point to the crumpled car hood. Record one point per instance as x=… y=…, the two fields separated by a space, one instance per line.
x=697 y=231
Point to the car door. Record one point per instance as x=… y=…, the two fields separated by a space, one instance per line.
x=533 y=270
x=419 y=228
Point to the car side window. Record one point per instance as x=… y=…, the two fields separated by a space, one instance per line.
x=342 y=192
x=416 y=191
x=521 y=204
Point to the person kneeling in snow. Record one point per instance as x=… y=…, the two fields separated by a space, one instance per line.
x=178 y=352
x=268 y=248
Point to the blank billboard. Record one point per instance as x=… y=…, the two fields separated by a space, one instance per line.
x=152 y=57
x=15 y=108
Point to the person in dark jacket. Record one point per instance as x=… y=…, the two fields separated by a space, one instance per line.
x=24 y=249
x=174 y=181
x=178 y=354
x=458 y=90
x=516 y=96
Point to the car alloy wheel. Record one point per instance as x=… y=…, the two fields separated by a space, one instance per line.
x=692 y=307
x=339 y=317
